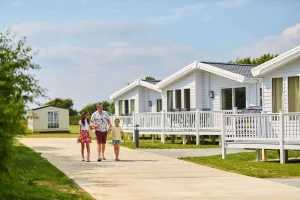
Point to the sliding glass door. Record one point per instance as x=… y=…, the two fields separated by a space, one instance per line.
x=233 y=97
x=294 y=94
x=169 y=100
x=277 y=94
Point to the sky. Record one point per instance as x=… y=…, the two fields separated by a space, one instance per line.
x=89 y=49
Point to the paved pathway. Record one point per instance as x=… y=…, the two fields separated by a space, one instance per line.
x=143 y=175
x=181 y=153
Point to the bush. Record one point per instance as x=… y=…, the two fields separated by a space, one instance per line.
x=74 y=120
x=18 y=87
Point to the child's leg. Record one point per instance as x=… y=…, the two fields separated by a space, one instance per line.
x=88 y=150
x=115 y=150
x=118 y=150
x=82 y=150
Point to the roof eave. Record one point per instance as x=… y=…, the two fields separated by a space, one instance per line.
x=221 y=72
x=277 y=62
x=177 y=75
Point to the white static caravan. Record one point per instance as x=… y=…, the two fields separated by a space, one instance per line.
x=48 y=119
x=139 y=96
x=211 y=86
x=281 y=89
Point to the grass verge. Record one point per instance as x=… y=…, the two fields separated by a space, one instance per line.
x=33 y=177
x=147 y=144
x=244 y=163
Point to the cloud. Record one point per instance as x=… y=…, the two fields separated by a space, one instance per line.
x=273 y=44
x=92 y=74
x=231 y=3
x=179 y=13
x=83 y=28
x=17 y=4
x=106 y=27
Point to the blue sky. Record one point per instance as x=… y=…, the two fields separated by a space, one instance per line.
x=88 y=49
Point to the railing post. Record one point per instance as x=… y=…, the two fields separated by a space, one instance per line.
x=281 y=137
x=223 y=135
x=133 y=125
x=197 y=127
x=163 y=126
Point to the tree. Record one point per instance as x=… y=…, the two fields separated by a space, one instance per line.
x=256 y=61
x=110 y=107
x=90 y=108
x=63 y=103
x=149 y=78
x=18 y=87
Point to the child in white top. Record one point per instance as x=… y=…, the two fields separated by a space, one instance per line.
x=84 y=135
x=117 y=135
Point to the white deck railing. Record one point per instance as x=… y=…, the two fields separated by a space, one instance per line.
x=262 y=126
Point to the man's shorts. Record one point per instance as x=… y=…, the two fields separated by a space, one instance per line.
x=101 y=137
x=115 y=142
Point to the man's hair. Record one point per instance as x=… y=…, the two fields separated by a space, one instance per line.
x=99 y=103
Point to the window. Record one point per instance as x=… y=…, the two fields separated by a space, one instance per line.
x=169 y=100
x=53 y=119
x=277 y=94
x=227 y=99
x=260 y=95
x=187 y=99
x=131 y=106
x=233 y=97
x=240 y=98
x=120 y=107
x=294 y=94
x=159 y=105
x=178 y=98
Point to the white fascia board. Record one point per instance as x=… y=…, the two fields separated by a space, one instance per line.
x=221 y=72
x=149 y=85
x=124 y=90
x=177 y=75
x=277 y=62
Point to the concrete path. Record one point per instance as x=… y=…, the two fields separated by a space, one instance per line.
x=143 y=175
x=182 y=153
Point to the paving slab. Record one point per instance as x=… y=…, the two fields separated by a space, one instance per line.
x=144 y=175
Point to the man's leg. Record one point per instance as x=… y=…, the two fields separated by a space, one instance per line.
x=103 y=150
x=99 y=150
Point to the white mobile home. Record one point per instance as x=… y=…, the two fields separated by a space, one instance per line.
x=48 y=119
x=210 y=86
x=281 y=89
x=139 y=96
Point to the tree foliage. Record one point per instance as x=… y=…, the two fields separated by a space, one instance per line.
x=17 y=88
x=149 y=78
x=256 y=61
x=63 y=103
x=109 y=107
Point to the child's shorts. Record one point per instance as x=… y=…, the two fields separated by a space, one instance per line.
x=115 y=142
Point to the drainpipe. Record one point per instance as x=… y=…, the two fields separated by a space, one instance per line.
x=207 y=95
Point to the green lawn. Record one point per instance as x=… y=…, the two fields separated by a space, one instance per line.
x=147 y=144
x=74 y=130
x=244 y=163
x=33 y=177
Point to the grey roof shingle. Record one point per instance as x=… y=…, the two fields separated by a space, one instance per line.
x=242 y=69
x=152 y=81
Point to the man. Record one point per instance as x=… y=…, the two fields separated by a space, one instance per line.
x=100 y=119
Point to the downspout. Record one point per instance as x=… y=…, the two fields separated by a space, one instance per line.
x=209 y=91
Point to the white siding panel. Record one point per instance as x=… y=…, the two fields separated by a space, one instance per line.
x=291 y=69
x=132 y=94
x=186 y=82
x=218 y=82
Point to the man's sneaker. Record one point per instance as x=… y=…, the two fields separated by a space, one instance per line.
x=99 y=159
